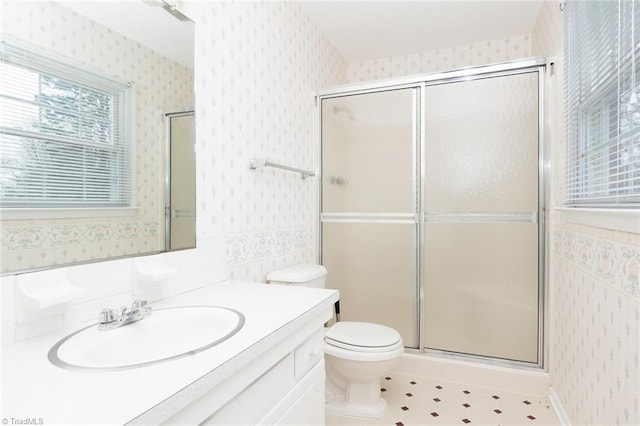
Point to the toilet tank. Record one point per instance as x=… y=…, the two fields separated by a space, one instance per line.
x=305 y=275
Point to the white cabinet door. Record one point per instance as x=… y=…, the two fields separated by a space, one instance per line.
x=304 y=404
x=265 y=392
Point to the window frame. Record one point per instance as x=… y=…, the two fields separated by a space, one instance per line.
x=585 y=189
x=46 y=62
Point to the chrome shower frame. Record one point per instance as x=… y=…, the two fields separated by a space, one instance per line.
x=167 y=116
x=419 y=83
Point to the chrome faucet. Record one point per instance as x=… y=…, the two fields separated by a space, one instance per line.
x=114 y=318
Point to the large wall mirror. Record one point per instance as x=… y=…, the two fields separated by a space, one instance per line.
x=148 y=43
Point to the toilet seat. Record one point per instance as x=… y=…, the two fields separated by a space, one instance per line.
x=363 y=337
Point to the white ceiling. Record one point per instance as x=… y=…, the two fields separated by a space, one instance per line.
x=363 y=30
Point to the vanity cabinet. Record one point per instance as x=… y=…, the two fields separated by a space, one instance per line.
x=283 y=386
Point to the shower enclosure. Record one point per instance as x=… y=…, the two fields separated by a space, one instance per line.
x=432 y=208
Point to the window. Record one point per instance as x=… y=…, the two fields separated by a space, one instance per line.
x=64 y=135
x=603 y=110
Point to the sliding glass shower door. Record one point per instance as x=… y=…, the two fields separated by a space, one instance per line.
x=369 y=202
x=432 y=209
x=481 y=236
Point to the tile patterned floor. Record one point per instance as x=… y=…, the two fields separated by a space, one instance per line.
x=421 y=401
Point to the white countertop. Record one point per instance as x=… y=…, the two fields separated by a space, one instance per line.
x=34 y=388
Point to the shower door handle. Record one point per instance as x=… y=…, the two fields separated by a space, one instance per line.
x=358 y=217
x=481 y=217
x=182 y=213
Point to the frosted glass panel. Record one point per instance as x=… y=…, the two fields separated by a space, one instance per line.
x=183 y=184
x=373 y=267
x=368 y=153
x=482 y=145
x=482 y=292
x=481 y=279
x=369 y=174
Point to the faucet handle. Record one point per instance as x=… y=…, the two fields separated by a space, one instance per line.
x=106 y=316
x=138 y=304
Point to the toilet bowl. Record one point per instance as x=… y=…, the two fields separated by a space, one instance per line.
x=357 y=354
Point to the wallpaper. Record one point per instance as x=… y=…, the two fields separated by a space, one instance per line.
x=594 y=284
x=595 y=302
x=480 y=53
x=258 y=66
x=160 y=84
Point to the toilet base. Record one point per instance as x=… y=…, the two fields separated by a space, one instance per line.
x=364 y=400
x=341 y=408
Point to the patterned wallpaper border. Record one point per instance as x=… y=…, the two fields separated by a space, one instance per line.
x=253 y=246
x=25 y=247
x=614 y=262
x=42 y=237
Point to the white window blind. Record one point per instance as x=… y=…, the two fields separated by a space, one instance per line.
x=64 y=135
x=603 y=112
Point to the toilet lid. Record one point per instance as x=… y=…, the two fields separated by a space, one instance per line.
x=363 y=337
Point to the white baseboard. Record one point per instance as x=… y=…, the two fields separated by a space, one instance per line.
x=559 y=408
x=529 y=381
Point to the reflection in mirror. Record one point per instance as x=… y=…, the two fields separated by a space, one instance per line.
x=180 y=200
x=85 y=35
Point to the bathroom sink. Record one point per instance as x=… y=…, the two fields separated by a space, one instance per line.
x=167 y=334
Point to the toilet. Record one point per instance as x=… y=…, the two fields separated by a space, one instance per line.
x=357 y=354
